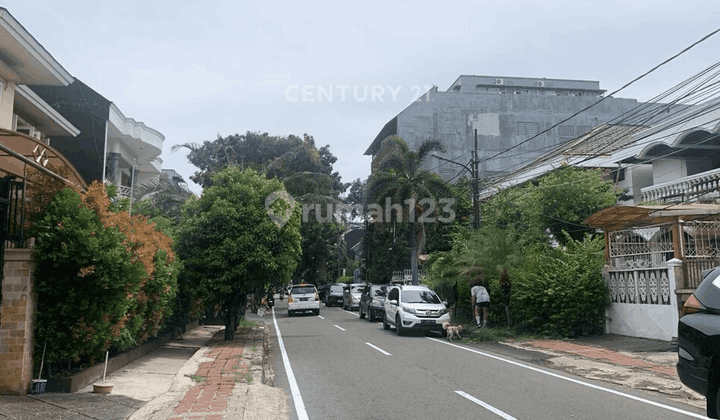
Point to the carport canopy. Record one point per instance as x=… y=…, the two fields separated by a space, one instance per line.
x=18 y=151
x=625 y=217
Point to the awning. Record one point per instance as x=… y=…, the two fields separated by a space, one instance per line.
x=624 y=217
x=19 y=151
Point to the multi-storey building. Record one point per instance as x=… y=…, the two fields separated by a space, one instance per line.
x=506 y=112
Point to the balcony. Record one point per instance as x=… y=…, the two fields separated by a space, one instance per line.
x=685 y=189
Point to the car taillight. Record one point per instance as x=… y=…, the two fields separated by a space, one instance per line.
x=290 y=300
x=692 y=306
x=317 y=297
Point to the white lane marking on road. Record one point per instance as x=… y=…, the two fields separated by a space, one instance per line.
x=337 y=326
x=297 y=398
x=320 y=317
x=611 y=391
x=351 y=313
x=379 y=349
x=502 y=414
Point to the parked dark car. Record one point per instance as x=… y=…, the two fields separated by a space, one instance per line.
x=334 y=295
x=699 y=342
x=372 y=301
x=322 y=290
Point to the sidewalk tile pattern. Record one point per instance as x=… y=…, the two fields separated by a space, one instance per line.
x=208 y=399
x=602 y=354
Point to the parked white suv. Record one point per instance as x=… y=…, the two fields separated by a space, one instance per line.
x=303 y=298
x=414 y=308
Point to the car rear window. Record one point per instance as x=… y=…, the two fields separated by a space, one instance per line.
x=302 y=290
x=379 y=291
x=419 y=296
x=708 y=292
x=336 y=289
x=356 y=289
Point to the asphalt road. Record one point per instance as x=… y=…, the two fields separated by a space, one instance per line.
x=337 y=366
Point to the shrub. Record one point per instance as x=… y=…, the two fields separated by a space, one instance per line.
x=561 y=291
x=103 y=279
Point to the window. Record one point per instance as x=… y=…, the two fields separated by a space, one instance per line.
x=566 y=131
x=527 y=129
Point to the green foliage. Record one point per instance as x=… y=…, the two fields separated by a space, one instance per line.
x=83 y=276
x=555 y=291
x=345 y=279
x=103 y=279
x=229 y=245
x=561 y=291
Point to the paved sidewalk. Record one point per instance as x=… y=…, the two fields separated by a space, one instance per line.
x=628 y=361
x=230 y=380
x=199 y=377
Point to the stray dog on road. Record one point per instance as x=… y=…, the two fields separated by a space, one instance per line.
x=452 y=330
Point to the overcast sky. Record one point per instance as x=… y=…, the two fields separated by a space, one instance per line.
x=340 y=70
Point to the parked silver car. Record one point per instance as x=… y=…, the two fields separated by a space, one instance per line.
x=351 y=296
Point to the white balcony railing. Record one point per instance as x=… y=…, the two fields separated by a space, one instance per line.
x=684 y=189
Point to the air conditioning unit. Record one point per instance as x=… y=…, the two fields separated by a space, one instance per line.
x=498 y=81
x=540 y=83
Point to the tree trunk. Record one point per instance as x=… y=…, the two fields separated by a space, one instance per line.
x=231 y=315
x=413 y=254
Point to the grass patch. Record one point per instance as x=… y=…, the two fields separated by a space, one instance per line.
x=242 y=322
x=198 y=378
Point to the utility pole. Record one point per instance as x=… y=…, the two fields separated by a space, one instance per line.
x=476 y=192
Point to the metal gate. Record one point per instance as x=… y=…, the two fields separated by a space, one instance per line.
x=12 y=214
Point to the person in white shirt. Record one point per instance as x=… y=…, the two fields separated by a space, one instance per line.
x=480 y=299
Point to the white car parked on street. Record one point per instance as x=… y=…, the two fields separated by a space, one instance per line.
x=414 y=308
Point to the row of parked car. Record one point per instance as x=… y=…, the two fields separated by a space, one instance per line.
x=402 y=307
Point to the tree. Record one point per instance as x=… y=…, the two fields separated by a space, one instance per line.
x=230 y=245
x=306 y=172
x=401 y=180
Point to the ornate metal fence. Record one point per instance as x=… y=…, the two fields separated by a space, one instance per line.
x=638 y=269
x=701 y=243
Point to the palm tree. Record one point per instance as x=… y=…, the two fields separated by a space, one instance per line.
x=401 y=179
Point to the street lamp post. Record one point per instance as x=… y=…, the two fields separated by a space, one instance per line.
x=474 y=173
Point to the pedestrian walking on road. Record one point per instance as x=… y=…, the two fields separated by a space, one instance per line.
x=481 y=302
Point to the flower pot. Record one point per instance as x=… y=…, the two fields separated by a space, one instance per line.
x=102 y=388
x=38 y=386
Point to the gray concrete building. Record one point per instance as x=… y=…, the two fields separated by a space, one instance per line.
x=506 y=112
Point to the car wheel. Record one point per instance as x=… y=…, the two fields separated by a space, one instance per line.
x=317 y=311
x=386 y=326
x=369 y=314
x=362 y=315
x=398 y=326
x=290 y=314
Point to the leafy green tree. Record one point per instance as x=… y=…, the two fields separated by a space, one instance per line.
x=556 y=203
x=306 y=172
x=401 y=180
x=230 y=245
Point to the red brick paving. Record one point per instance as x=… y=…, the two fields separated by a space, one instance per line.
x=602 y=354
x=208 y=399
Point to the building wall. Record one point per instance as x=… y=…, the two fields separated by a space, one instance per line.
x=89 y=112
x=7 y=100
x=666 y=170
x=452 y=116
x=17 y=313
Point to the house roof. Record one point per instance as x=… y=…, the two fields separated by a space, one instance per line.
x=593 y=149
x=24 y=60
x=622 y=217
